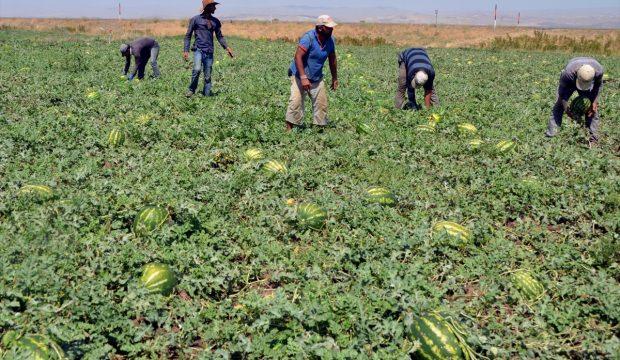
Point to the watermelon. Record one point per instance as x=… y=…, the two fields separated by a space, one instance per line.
x=475 y=144
x=253 y=154
x=311 y=216
x=580 y=106
x=453 y=229
x=434 y=118
x=38 y=347
x=439 y=338
x=430 y=127
x=42 y=192
x=275 y=167
x=505 y=146
x=528 y=286
x=158 y=278
x=380 y=195
x=467 y=128
x=363 y=128
x=150 y=218
x=93 y=95
x=116 y=138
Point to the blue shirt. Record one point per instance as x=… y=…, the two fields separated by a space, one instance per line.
x=204 y=26
x=417 y=59
x=315 y=56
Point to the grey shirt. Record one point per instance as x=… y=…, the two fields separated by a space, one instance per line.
x=204 y=26
x=568 y=79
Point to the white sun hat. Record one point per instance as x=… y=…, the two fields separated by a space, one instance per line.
x=585 y=77
x=420 y=79
x=326 y=20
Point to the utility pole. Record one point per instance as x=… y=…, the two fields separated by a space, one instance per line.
x=495 y=22
x=436 y=18
x=519 y=19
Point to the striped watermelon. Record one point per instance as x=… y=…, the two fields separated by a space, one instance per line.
x=528 y=286
x=467 y=128
x=453 y=229
x=38 y=347
x=42 y=192
x=364 y=128
x=439 y=338
x=505 y=146
x=253 y=154
x=311 y=216
x=434 y=118
x=275 y=167
x=380 y=195
x=158 y=278
x=475 y=144
x=116 y=138
x=150 y=218
x=580 y=106
x=429 y=128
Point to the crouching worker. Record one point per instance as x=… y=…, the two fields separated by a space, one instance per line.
x=584 y=75
x=142 y=50
x=306 y=73
x=415 y=71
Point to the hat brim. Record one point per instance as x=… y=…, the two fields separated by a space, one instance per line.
x=584 y=85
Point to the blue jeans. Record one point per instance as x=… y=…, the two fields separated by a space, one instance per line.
x=202 y=61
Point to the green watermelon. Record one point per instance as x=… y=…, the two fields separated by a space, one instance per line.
x=150 y=218
x=453 y=229
x=42 y=192
x=380 y=195
x=580 y=106
x=528 y=286
x=311 y=216
x=253 y=154
x=364 y=128
x=505 y=146
x=38 y=347
x=476 y=143
x=116 y=138
x=467 y=128
x=275 y=167
x=158 y=278
x=439 y=338
x=429 y=128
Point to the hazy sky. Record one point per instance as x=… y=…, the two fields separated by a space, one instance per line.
x=184 y=8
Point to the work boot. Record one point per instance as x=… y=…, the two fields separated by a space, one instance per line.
x=189 y=94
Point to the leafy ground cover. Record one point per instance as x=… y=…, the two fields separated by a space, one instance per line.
x=250 y=282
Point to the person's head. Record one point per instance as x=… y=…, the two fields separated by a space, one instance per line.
x=420 y=78
x=325 y=25
x=208 y=6
x=124 y=50
x=585 y=77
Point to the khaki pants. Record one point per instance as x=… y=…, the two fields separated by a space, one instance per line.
x=318 y=95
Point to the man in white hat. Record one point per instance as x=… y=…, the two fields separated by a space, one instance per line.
x=415 y=71
x=204 y=26
x=306 y=73
x=584 y=75
x=142 y=50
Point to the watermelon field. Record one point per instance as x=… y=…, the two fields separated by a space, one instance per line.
x=138 y=224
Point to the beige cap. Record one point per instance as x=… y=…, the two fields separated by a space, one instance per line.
x=585 y=77
x=326 y=20
x=420 y=78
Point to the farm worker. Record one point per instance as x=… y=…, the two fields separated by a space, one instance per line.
x=204 y=26
x=584 y=75
x=415 y=71
x=142 y=50
x=306 y=73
